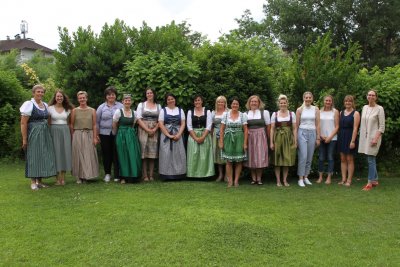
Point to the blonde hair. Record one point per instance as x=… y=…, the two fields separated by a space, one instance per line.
x=38 y=86
x=306 y=93
x=261 y=104
x=282 y=97
x=82 y=93
x=223 y=98
x=323 y=104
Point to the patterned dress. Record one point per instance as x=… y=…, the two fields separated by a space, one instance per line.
x=233 y=150
x=284 y=153
x=148 y=144
x=128 y=147
x=215 y=138
x=200 y=162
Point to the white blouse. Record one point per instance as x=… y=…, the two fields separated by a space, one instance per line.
x=189 y=120
x=27 y=107
x=228 y=118
x=257 y=115
x=58 y=118
x=172 y=112
x=117 y=115
x=281 y=119
x=140 y=108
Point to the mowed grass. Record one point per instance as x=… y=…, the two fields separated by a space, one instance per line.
x=197 y=223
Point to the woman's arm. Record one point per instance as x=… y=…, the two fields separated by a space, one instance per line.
x=24 y=131
x=72 y=122
x=95 y=140
x=246 y=135
x=271 y=139
x=355 y=129
x=317 y=126
x=381 y=127
x=221 y=136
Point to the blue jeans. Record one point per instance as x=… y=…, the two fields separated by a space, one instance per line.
x=326 y=152
x=372 y=171
x=306 y=145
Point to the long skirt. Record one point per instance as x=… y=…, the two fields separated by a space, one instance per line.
x=172 y=159
x=284 y=153
x=62 y=146
x=40 y=160
x=200 y=162
x=128 y=150
x=148 y=144
x=257 y=151
x=217 y=151
x=85 y=163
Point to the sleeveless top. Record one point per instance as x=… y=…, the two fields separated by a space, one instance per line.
x=327 y=123
x=307 y=118
x=346 y=122
x=38 y=115
x=288 y=123
x=256 y=123
x=83 y=119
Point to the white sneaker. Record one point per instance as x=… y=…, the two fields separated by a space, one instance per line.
x=306 y=181
x=34 y=187
x=301 y=183
x=107 y=178
x=116 y=180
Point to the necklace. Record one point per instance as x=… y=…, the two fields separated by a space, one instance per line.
x=368 y=113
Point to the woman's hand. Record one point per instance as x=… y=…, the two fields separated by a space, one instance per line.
x=352 y=145
x=220 y=144
x=24 y=145
x=272 y=146
x=317 y=142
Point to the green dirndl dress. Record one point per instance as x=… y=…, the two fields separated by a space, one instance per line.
x=200 y=162
x=284 y=153
x=128 y=148
x=233 y=150
x=215 y=139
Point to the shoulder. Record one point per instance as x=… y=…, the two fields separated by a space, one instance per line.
x=101 y=106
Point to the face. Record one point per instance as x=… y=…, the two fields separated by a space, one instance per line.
x=282 y=104
x=111 y=98
x=220 y=104
x=171 y=101
x=82 y=99
x=38 y=94
x=348 y=103
x=59 y=98
x=328 y=102
x=254 y=103
x=308 y=99
x=127 y=102
x=149 y=95
x=235 y=105
x=198 y=103
x=371 y=97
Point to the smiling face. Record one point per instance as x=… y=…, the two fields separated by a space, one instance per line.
x=149 y=95
x=307 y=98
x=283 y=104
x=235 y=105
x=328 y=101
x=59 y=98
x=348 y=102
x=372 y=97
x=127 y=102
x=221 y=105
x=171 y=102
x=82 y=99
x=111 y=97
x=198 y=102
x=38 y=94
x=254 y=103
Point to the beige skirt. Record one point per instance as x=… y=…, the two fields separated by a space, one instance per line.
x=85 y=163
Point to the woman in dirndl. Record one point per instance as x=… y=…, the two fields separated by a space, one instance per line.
x=60 y=109
x=221 y=107
x=233 y=141
x=147 y=117
x=172 y=156
x=258 y=123
x=36 y=139
x=283 y=140
x=200 y=161
x=126 y=140
x=85 y=164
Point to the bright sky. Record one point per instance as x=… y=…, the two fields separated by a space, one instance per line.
x=210 y=17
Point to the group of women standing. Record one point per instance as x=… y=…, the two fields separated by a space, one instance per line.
x=225 y=137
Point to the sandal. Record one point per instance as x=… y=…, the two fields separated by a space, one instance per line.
x=368 y=187
x=347 y=184
x=286 y=184
x=253 y=182
x=151 y=179
x=259 y=183
x=279 y=185
x=319 y=181
x=341 y=182
x=146 y=179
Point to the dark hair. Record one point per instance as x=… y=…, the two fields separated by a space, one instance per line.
x=168 y=95
x=66 y=104
x=198 y=96
x=233 y=99
x=154 y=93
x=110 y=90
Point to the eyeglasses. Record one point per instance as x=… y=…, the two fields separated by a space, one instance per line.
x=371 y=95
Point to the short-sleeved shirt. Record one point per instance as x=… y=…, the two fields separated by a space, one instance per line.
x=27 y=107
x=257 y=115
x=189 y=120
x=241 y=118
x=173 y=112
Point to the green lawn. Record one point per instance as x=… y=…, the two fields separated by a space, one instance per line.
x=196 y=223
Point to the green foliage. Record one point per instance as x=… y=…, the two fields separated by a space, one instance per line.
x=161 y=71
x=235 y=68
x=12 y=97
x=324 y=68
